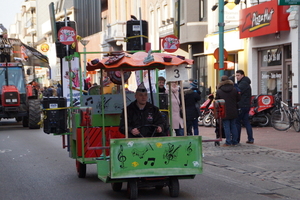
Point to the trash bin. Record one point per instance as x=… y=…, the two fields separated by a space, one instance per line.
x=55 y=120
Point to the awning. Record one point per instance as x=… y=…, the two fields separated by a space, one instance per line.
x=138 y=61
x=34 y=57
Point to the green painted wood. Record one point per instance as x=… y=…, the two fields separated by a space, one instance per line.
x=103 y=170
x=109 y=120
x=158 y=156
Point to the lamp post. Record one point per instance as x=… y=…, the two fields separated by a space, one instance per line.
x=221 y=25
x=84 y=43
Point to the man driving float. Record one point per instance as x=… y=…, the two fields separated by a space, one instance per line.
x=144 y=119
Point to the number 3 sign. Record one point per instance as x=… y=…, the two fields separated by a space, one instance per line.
x=177 y=73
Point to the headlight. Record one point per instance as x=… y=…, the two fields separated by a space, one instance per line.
x=14 y=100
x=7 y=100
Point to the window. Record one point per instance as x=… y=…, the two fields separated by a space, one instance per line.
x=158 y=17
x=202 y=10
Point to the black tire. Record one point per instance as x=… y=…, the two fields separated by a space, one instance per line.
x=214 y=121
x=207 y=120
x=116 y=186
x=25 y=121
x=81 y=169
x=174 y=187
x=34 y=113
x=265 y=120
x=132 y=189
x=296 y=123
x=200 y=121
x=280 y=120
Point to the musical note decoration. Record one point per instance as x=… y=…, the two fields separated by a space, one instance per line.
x=121 y=157
x=189 y=149
x=89 y=101
x=171 y=153
x=141 y=153
x=151 y=161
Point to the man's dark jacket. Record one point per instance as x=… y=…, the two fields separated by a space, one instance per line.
x=137 y=118
x=191 y=97
x=227 y=91
x=246 y=92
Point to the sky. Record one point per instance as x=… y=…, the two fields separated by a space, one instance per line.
x=8 y=11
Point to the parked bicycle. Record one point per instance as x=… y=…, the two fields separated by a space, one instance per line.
x=285 y=116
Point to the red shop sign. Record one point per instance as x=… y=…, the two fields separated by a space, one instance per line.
x=263 y=19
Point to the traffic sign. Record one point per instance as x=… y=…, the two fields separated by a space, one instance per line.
x=66 y=35
x=170 y=43
x=216 y=54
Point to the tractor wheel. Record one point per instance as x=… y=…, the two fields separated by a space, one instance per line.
x=34 y=113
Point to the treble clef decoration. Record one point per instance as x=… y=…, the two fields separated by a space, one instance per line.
x=121 y=157
x=189 y=149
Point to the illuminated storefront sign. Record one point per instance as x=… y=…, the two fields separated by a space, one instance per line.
x=263 y=19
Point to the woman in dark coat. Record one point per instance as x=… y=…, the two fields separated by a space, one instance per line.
x=227 y=91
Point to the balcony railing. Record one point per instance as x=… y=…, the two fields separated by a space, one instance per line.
x=115 y=32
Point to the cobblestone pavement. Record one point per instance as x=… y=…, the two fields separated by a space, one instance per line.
x=279 y=165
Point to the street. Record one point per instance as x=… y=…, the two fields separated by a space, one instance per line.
x=33 y=165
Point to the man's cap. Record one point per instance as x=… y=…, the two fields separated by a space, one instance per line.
x=141 y=88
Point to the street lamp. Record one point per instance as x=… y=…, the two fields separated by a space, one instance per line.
x=84 y=43
x=221 y=25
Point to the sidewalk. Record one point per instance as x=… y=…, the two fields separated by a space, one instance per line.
x=264 y=136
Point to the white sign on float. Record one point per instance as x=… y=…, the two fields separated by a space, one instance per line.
x=177 y=73
x=75 y=78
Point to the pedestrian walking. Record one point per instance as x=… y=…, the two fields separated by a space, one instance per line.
x=227 y=91
x=244 y=105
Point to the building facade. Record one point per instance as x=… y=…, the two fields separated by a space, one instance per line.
x=272 y=48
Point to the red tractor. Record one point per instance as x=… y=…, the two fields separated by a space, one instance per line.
x=17 y=99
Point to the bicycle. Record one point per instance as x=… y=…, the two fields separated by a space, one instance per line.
x=285 y=116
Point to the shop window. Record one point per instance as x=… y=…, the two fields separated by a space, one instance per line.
x=201 y=71
x=202 y=10
x=271 y=82
x=271 y=57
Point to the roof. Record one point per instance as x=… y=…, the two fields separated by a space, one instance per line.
x=138 y=61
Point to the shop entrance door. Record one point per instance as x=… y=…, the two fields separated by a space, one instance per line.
x=287 y=92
